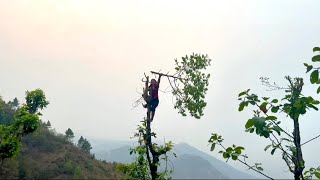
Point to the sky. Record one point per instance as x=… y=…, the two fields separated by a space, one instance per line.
x=89 y=57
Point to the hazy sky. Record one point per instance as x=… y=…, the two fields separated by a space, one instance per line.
x=89 y=58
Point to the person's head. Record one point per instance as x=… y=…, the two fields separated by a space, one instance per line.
x=153 y=82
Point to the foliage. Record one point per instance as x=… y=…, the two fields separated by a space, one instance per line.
x=17 y=122
x=265 y=123
x=194 y=81
x=312 y=172
x=46 y=154
x=7 y=111
x=141 y=168
x=36 y=100
x=69 y=135
x=84 y=145
x=189 y=85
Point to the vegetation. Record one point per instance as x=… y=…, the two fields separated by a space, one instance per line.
x=189 y=86
x=46 y=154
x=69 y=134
x=84 y=145
x=266 y=124
x=18 y=121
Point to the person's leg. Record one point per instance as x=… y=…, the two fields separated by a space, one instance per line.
x=154 y=104
x=148 y=101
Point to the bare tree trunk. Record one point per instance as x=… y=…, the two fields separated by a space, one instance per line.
x=298 y=159
x=153 y=165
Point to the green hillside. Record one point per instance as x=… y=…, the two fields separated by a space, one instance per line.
x=46 y=154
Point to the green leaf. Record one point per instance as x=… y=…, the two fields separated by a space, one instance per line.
x=271 y=118
x=267 y=147
x=274 y=101
x=226 y=155
x=316 y=49
x=318 y=90
x=265 y=98
x=277 y=129
x=249 y=123
x=259 y=122
x=242 y=93
x=238 y=149
x=241 y=106
x=313 y=107
x=309 y=67
x=314 y=77
x=317 y=174
x=229 y=149
x=259 y=168
x=273 y=150
x=234 y=157
x=251 y=130
x=316 y=58
x=275 y=109
x=213 y=146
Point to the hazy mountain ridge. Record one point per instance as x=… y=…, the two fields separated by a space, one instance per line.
x=190 y=163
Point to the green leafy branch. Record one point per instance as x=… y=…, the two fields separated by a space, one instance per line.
x=234 y=152
x=149 y=156
x=312 y=172
x=191 y=84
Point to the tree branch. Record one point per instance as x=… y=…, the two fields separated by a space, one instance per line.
x=245 y=163
x=153 y=72
x=310 y=140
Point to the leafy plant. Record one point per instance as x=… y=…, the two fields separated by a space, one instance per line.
x=266 y=124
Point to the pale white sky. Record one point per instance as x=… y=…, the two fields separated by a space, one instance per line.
x=89 y=58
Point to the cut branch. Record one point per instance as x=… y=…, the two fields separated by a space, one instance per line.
x=153 y=72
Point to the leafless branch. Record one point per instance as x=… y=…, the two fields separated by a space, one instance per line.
x=310 y=140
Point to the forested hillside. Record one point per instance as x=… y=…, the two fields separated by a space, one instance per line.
x=46 y=154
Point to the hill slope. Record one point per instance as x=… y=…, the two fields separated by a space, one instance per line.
x=48 y=155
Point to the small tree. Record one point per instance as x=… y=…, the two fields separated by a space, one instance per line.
x=80 y=142
x=48 y=124
x=26 y=120
x=84 y=145
x=189 y=86
x=266 y=124
x=69 y=135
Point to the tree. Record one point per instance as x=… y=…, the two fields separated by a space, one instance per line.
x=69 y=134
x=84 y=145
x=266 y=124
x=48 y=124
x=80 y=142
x=21 y=121
x=36 y=100
x=189 y=86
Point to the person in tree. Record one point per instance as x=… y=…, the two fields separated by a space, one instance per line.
x=151 y=96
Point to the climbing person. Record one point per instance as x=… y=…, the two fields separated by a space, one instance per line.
x=152 y=98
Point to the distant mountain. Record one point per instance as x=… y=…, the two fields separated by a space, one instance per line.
x=190 y=163
x=48 y=155
x=194 y=167
x=223 y=167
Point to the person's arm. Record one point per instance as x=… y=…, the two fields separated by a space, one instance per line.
x=146 y=86
x=159 y=80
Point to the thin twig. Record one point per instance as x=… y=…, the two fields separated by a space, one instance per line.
x=249 y=165
x=310 y=140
